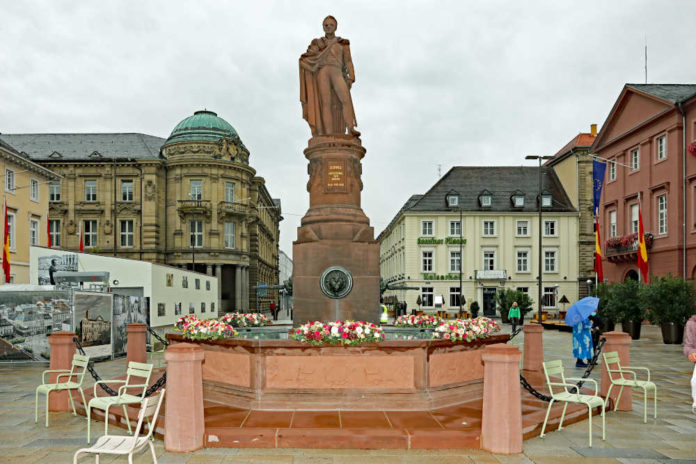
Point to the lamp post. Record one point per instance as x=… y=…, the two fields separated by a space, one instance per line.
x=540 y=202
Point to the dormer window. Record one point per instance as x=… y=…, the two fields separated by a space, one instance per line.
x=55 y=155
x=95 y=155
x=485 y=199
x=517 y=199
x=546 y=200
x=452 y=199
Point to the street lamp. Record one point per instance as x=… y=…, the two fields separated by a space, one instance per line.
x=454 y=200
x=540 y=201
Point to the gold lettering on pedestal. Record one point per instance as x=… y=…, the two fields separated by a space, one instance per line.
x=335 y=175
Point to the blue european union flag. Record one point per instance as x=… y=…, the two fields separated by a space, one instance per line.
x=598 y=169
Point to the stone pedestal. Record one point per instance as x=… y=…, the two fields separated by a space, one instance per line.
x=136 y=349
x=183 y=415
x=621 y=343
x=501 y=422
x=335 y=232
x=533 y=347
x=62 y=348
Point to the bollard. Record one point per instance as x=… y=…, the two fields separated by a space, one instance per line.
x=501 y=422
x=62 y=349
x=621 y=343
x=533 y=347
x=183 y=415
x=136 y=350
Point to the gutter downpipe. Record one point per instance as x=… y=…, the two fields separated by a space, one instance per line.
x=683 y=114
x=142 y=198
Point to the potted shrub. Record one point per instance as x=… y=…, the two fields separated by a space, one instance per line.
x=624 y=303
x=603 y=310
x=670 y=301
x=505 y=298
x=474 y=308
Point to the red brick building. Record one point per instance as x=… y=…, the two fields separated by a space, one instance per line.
x=646 y=139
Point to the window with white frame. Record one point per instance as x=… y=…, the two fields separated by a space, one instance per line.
x=550 y=228
x=523 y=289
x=196 y=190
x=612 y=170
x=229 y=191
x=126 y=190
x=54 y=230
x=202 y=306
x=54 y=191
x=522 y=260
x=452 y=201
x=34 y=189
x=90 y=233
x=635 y=159
x=9 y=180
x=522 y=228
x=229 y=235
x=662 y=147
x=426 y=227
x=488 y=228
x=662 y=214
x=455 y=259
x=550 y=259
x=549 y=297
x=454 y=297
x=11 y=229
x=33 y=232
x=192 y=308
x=90 y=190
x=634 y=218
x=488 y=260
x=127 y=226
x=427 y=299
x=427 y=260
x=612 y=223
x=196 y=234
x=455 y=228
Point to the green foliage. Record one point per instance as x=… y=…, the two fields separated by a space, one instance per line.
x=505 y=297
x=669 y=299
x=603 y=292
x=474 y=308
x=624 y=301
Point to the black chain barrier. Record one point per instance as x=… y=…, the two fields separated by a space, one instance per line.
x=515 y=333
x=588 y=371
x=110 y=391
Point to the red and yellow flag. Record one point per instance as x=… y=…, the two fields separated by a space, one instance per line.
x=598 y=253
x=642 y=250
x=6 y=248
x=48 y=230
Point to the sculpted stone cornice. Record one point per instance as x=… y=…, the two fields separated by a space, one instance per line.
x=89 y=207
x=128 y=207
x=57 y=208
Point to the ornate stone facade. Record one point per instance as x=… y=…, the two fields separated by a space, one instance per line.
x=190 y=201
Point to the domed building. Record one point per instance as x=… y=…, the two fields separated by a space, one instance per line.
x=191 y=200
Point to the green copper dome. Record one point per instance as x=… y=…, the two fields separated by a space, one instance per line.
x=203 y=126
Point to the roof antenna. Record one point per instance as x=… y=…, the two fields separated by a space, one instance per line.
x=439 y=170
x=646 y=58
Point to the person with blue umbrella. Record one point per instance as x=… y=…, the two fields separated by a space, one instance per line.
x=577 y=317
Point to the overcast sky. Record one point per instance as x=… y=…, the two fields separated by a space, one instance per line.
x=438 y=83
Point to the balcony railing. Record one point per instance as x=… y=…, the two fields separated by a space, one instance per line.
x=490 y=274
x=231 y=208
x=625 y=248
x=194 y=207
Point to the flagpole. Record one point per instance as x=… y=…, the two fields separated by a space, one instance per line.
x=640 y=280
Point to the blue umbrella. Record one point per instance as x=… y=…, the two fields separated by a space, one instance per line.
x=580 y=310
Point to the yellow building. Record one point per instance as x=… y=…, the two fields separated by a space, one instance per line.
x=494 y=246
x=191 y=200
x=25 y=189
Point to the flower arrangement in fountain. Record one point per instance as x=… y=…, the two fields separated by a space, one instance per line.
x=466 y=330
x=203 y=329
x=411 y=321
x=338 y=333
x=245 y=319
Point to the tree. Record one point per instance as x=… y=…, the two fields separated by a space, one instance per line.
x=505 y=297
x=419 y=301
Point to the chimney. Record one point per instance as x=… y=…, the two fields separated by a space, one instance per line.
x=593 y=129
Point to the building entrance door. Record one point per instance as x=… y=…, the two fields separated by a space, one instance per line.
x=489 y=301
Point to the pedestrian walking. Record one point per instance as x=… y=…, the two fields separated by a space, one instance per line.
x=514 y=315
x=690 y=353
x=582 y=343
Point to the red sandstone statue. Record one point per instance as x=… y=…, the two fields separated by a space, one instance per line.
x=326 y=75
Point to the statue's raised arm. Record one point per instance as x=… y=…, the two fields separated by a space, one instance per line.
x=326 y=75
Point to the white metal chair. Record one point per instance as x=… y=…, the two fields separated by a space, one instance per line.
x=77 y=369
x=612 y=358
x=123 y=398
x=555 y=369
x=119 y=444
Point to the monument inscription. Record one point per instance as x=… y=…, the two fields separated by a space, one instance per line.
x=335 y=176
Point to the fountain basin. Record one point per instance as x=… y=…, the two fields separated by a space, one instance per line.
x=267 y=371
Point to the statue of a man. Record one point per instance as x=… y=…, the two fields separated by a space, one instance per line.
x=326 y=75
